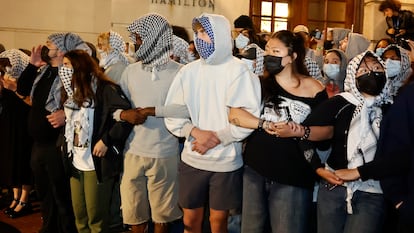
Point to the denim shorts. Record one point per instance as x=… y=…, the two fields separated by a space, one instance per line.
x=221 y=190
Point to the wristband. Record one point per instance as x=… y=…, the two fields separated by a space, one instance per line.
x=306 y=134
x=260 y=126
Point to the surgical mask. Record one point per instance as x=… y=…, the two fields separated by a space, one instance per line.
x=273 y=64
x=8 y=70
x=241 y=41
x=379 y=51
x=204 y=49
x=393 y=67
x=371 y=83
x=44 y=54
x=331 y=70
x=102 y=57
x=65 y=74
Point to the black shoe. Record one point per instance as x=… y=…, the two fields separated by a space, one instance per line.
x=25 y=210
x=8 y=210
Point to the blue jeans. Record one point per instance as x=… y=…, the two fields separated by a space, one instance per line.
x=285 y=207
x=368 y=211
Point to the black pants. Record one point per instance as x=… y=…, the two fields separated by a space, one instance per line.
x=52 y=186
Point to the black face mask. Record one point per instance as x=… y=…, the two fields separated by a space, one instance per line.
x=44 y=54
x=327 y=45
x=273 y=64
x=371 y=83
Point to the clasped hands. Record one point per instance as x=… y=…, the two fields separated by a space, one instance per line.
x=135 y=116
x=285 y=129
x=204 y=140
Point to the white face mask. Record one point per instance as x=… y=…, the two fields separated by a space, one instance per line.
x=102 y=57
x=393 y=67
x=379 y=51
x=241 y=41
x=331 y=70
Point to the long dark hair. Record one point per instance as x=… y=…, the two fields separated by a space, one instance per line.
x=85 y=69
x=295 y=44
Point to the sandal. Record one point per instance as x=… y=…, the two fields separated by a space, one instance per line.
x=9 y=209
x=25 y=210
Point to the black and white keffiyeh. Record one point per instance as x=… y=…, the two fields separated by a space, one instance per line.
x=18 y=61
x=65 y=75
x=77 y=117
x=259 y=58
x=405 y=71
x=66 y=42
x=180 y=49
x=364 y=128
x=156 y=36
x=117 y=52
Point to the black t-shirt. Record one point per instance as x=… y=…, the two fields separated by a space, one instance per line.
x=336 y=112
x=281 y=159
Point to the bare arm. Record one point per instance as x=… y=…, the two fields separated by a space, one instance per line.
x=242 y=118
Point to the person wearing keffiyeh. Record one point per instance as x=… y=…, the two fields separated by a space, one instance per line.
x=15 y=142
x=112 y=54
x=355 y=117
x=40 y=81
x=211 y=160
x=94 y=140
x=149 y=187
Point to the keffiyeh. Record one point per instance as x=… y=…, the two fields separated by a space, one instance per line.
x=116 y=53
x=205 y=49
x=259 y=58
x=18 y=61
x=364 y=128
x=405 y=71
x=66 y=42
x=77 y=117
x=65 y=75
x=156 y=36
x=180 y=49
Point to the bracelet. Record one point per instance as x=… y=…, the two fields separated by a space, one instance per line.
x=260 y=126
x=266 y=125
x=306 y=134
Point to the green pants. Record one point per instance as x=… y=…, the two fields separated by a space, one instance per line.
x=90 y=201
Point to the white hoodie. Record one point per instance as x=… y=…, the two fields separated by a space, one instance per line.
x=209 y=87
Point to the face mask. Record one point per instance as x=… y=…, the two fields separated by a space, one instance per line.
x=204 y=49
x=8 y=70
x=331 y=70
x=241 y=41
x=44 y=54
x=273 y=64
x=393 y=67
x=371 y=83
x=379 y=51
x=65 y=74
x=102 y=58
x=327 y=45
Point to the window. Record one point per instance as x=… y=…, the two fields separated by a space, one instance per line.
x=274 y=15
x=270 y=15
